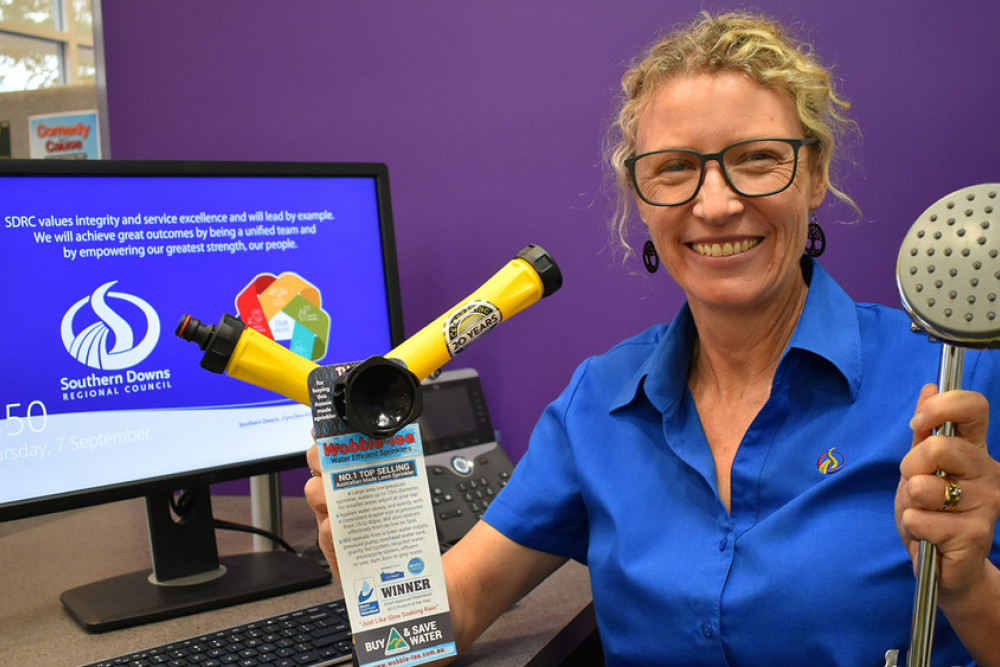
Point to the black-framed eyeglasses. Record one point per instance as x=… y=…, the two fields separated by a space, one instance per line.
x=752 y=168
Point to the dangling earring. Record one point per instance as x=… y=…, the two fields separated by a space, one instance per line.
x=817 y=239
x=649 y=257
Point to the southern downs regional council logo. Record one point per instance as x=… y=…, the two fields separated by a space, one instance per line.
x=109 y=343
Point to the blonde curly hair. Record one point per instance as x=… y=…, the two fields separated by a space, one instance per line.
x=754 y=44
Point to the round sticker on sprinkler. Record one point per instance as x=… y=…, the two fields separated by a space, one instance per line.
x=468 y=323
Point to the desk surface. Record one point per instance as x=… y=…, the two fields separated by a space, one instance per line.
x=43 y=556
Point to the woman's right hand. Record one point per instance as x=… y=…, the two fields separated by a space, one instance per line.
x=316 y=497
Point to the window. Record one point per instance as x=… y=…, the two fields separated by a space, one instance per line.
x=45 y=43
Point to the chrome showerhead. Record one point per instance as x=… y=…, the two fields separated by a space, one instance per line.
x=948 y=273
x=948 y=269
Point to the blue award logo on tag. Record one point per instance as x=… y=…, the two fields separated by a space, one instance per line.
x=367 y=600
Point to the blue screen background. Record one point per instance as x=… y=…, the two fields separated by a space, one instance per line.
x=53 y=440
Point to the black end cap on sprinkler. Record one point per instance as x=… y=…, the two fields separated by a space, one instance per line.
x=378 y=397
x=217 y=340
x=544 y=266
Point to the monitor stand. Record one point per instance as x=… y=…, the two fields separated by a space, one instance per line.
x=188 y=576
x=265 y=509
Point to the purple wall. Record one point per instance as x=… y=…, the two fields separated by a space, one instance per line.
x=491 y=116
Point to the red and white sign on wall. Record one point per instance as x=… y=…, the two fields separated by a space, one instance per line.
x=68 y=135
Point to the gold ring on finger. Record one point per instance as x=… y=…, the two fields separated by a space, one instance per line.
x=952 y=494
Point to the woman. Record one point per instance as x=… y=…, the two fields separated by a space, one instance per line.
x=729 y=478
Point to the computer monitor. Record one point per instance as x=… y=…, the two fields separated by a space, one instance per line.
x=99 y=401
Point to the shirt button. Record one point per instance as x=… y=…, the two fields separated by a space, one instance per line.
x=706 y=630
x=723 y=542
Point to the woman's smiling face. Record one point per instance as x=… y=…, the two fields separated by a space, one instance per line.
x=726 y=250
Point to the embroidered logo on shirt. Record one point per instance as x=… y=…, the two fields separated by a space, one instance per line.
x=830 y=462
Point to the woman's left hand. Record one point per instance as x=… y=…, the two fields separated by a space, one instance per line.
x=927 y=508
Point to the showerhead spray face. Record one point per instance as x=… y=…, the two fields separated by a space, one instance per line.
x=948 y=270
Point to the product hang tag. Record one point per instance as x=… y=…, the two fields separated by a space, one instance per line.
x=384 y=535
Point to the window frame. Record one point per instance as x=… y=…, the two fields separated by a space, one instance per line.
x=68 y=40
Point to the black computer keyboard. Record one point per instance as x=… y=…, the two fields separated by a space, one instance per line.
x=309 y=637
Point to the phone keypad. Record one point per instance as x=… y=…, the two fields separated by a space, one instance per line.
x=461 y=492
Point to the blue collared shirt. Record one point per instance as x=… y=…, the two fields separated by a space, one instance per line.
x=807 y=567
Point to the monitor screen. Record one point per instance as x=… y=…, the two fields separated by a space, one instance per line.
x=99 y=260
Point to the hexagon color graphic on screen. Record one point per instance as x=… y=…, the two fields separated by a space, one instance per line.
x=286 y=309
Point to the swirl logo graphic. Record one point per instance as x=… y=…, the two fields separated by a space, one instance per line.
x=286 y=309
x=109 y=344
x=830 y=462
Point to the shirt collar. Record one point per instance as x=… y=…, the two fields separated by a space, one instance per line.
x=828 y=328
